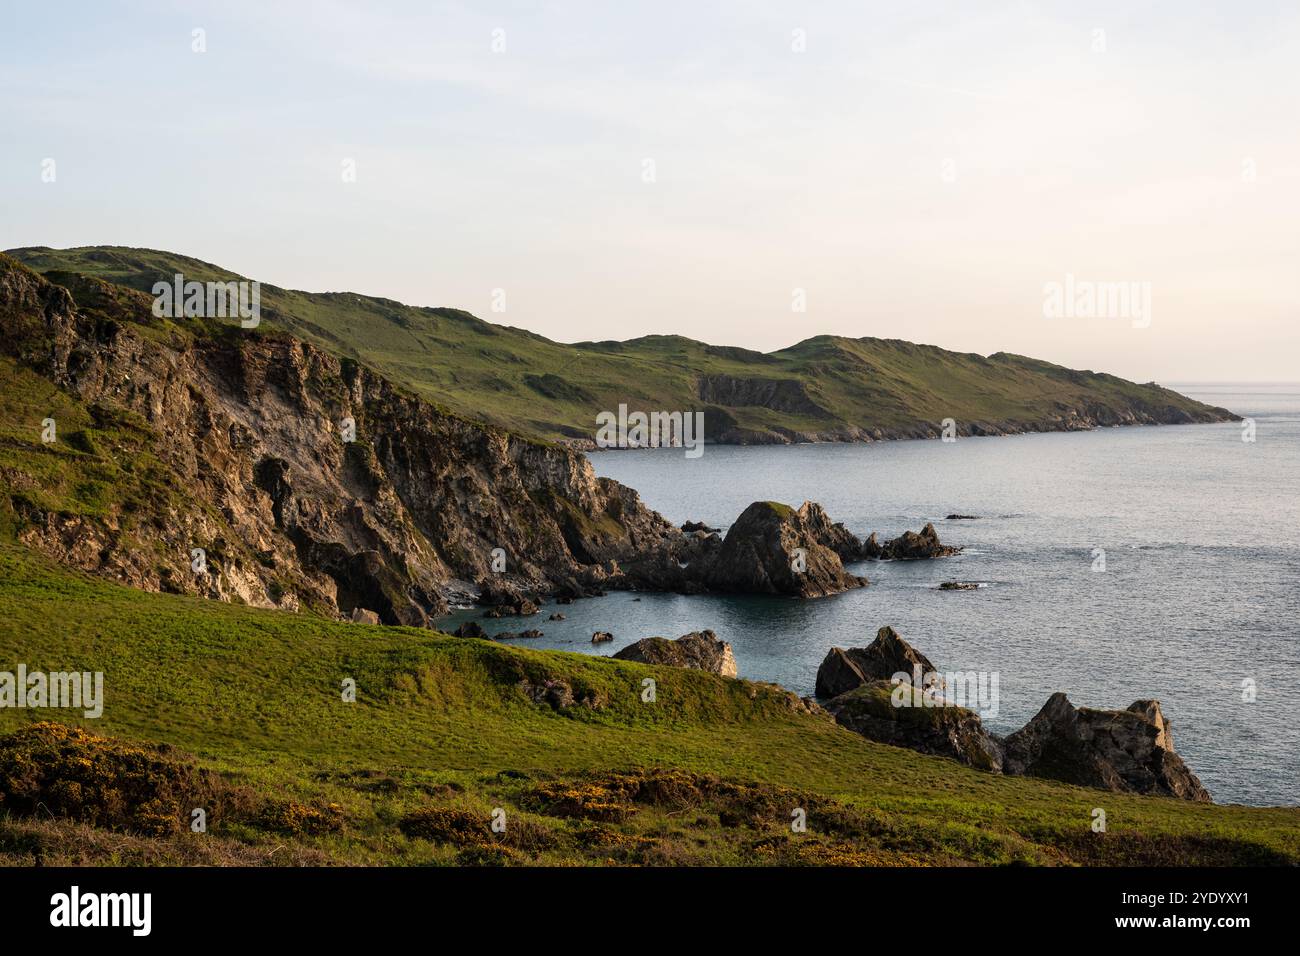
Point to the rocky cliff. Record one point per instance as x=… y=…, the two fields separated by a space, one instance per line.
x=271 y=472
x=292 y=477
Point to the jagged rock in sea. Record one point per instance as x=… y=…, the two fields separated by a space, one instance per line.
x=909 y=546
x=775 y=549
x=1122 y=750
x=470 y=629
x=524 y=608
x=601 y=637
x=958 y=586
x=843 y=670
x=700 y=650
x=692 y=527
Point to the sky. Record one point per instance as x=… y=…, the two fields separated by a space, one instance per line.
x=742 y=173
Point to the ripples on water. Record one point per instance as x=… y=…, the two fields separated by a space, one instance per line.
x=1201 y=589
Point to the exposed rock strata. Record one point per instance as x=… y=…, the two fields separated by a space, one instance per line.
x=1125 y=750
x=250 y=427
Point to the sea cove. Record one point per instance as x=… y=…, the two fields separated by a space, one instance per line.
x=1201 y=536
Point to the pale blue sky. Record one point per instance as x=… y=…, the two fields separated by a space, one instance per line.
x=921 y=170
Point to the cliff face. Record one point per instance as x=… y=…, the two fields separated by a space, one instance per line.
x=250 y=429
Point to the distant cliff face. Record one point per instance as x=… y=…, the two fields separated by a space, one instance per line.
x=272 y=500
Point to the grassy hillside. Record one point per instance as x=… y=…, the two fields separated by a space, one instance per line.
x=824 y=387
x=441 y=734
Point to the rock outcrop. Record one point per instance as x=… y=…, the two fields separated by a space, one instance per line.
x=873 y=710
x=699 y=650
x=909 y=546
x=865 y=698
x=1129 y=751
x=306 y=480
x=691 y=527
x=887 y=655
x=775 y=549
x=1123 y=750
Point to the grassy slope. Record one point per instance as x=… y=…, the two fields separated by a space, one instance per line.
x=255 y=694
x=527 y=383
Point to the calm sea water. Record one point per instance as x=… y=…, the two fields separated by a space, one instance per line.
x=1201 y=588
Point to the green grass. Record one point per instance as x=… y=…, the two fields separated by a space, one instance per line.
x=256 y=695
x=441 y=732
x=534 y=386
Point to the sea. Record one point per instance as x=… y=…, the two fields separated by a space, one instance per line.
x=1115 y=565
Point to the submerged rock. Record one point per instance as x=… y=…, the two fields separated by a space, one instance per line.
x=958 y=586
x=699 y=650
x=1122 y=750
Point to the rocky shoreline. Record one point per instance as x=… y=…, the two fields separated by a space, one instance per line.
x=890 y=693
x=282 y=476
x=1073 y=421
x=303 y=480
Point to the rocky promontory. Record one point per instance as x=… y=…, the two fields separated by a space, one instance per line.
x=874 y=691
x=275 y=474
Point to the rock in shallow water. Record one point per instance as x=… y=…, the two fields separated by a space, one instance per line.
x=775 y=549
x=909 y=546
